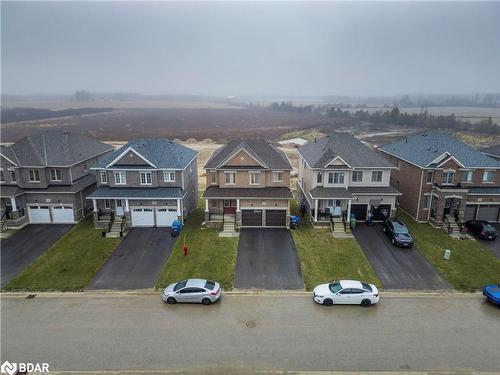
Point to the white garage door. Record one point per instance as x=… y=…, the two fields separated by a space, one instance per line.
x=165 y=216
x=62 y=214
x=488 y=213
x=39 y=214
x=143 y=217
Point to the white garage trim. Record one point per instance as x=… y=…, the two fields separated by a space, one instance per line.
x=63 y=214
x=142 y=216
x=39 y=214
x=165 y=216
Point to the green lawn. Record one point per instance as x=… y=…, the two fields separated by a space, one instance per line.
x=324 y=258
x=470 y=267
x=209 y=257
x=70 y=263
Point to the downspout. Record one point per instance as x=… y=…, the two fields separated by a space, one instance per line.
x=420 y=194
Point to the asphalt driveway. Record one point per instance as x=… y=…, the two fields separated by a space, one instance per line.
x=492 y=246
x=267 y=259
x=137 y=261
x=397 y=268
x=27 y=244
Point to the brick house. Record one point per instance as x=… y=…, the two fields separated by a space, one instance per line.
x=443 y=179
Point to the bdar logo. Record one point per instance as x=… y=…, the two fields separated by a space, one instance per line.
x=9 y=368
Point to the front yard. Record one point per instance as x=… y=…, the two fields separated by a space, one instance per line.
x=70 y=263
x=470 y=267
x=209 y=256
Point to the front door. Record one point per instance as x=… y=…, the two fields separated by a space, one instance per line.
x=229 y=206
x=119 y=207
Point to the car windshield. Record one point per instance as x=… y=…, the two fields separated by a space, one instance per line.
x=335 y=287
x=489 y=227
x=399 y=228
x=367 y=287
x=210 y=285
x=180 y=285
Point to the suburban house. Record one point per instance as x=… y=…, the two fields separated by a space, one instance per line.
x=147 y=182
x=492 y=151
x=443 y=180
x=248 y=185
x=339 y=176
x=45 y=177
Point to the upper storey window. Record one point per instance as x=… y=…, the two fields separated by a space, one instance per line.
x=34 y=175
x=120 y=178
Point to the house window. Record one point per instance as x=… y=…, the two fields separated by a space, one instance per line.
x=2 y=177
x=319 y=177
x=254 y=178
x=120 y=178
x=190 y=167
x=213 y=177
x=468 y=176
x=488 y=176
x=169 y=176
x=398 y=163
x=55 y=175
x=338 y=178
x=357 y=176
x=230 y=178
x=430 y=174
x=13 y=177
x=330 y=177
x=107 y=204
x=34 y=175
x=376 y=176
x=277 y=176
x=448 y=178
x=104 y=177
x=146 y=178
x=213 y=203
x=427 y=201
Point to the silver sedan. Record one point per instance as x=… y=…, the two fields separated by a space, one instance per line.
x=192 y=291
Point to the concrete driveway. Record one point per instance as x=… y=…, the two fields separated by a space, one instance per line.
x=397 y=268
x=267 y=259
x=492 y=246
x=27 y=244
x=137 y=261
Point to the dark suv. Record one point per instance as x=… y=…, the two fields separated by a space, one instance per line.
x=397 y=232
x=482 y=229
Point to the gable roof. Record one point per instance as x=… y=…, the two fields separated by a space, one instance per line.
x=54 y=148
x=492 y=150
x=162 y=152
x=344 y=146
x=260 y=149
x=425 y=148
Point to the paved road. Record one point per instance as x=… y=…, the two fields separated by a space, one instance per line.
x=397 y=268
x=267 y=259
x=139 y=332
x=27 y=244
x=137 y=262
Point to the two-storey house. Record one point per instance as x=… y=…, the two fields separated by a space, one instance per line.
x=147 y=182
x=339 y=176
x=444 y=180
x=248 y=184
x=45 y=177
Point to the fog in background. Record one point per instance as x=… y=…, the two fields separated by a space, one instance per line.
x=251 y=48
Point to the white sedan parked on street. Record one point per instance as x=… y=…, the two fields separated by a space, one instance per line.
x=192 y=291
x=346 y=292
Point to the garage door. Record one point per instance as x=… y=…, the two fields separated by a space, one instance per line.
x=63 y=214
x=381 y=212
x=39 y=214
x=488 y=213
x=470 y=212
x=165 y=216
x=359 y=211
x=251 y=218
x=275 y=218
x=143 y=217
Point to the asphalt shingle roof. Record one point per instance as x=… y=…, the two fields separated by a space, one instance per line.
x=423 y=149
x=330 y=192
x=268 y=192
x=319 y=153
x=261 y=149
x=104 y=192
x=163 y=153
x=54 y=148
x=492 y=150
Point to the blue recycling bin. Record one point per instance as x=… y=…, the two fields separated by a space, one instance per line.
x=294 y=221
x=176 y=228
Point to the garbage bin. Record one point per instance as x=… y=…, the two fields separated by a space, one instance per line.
x=176 y=228
x=294 y=222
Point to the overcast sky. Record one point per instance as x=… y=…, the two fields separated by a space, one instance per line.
x=251 y=48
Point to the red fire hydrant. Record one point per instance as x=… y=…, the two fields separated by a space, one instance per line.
x=185 y=249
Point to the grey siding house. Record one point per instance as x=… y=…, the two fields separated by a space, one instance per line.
x=45 y=177
x=147 y=182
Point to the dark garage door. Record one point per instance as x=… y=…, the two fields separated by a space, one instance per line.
x=251 y=218
x=359 y=211
x=381 y=212
x=470 y=212
x=488 y=213
x=275 y=218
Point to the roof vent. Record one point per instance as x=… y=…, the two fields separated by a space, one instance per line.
x=429 y=149
x=435 y=151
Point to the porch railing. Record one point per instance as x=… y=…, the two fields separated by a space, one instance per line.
x=111 y=221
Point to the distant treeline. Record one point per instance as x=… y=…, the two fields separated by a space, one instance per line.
x=393 y=117
x=28 y=114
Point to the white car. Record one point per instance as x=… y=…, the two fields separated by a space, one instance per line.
x=346 y=292
x=192 y=291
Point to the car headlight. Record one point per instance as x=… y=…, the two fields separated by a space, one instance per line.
x=319 y=296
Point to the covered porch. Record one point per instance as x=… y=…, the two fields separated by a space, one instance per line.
x=13 y=211
x=330 y=204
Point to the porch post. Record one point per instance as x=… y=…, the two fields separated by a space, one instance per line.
x=348 y=211
x=178 y=207
x=13 y=203
x=127 y=208
x=315 y=210
x=94 y=203
x=237 y=205
x=206 y=204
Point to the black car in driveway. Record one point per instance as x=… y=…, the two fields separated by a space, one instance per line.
x=397 y=232
x=481 y=229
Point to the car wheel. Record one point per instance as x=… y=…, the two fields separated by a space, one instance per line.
x=171 y=300
x=206 y=301
x=366 y=303
x=328 y=302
